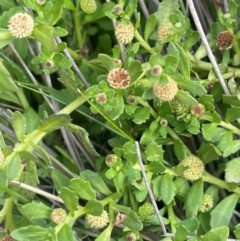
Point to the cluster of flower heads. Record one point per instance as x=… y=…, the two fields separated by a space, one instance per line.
x=97 y=222
x=21 y=25
x=194 y=168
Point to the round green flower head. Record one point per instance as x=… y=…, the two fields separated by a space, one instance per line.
x=101 y=98
x=97 y=222
x=21 y=25
x=207 y=203
x=124 y=32
x=145 y=211
x=88 y=6
x=58 y=215
x=194 y=168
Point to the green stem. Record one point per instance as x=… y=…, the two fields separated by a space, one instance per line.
x=171 y=217
x=77 y=25
x=207 y=177
x=143 y=42
x=22 y=98
x=7 y=212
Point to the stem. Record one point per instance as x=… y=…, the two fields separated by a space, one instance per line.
x=7 y=212
x=171 y=218
x=77 y=25
x=22 y=98
x=142 y=42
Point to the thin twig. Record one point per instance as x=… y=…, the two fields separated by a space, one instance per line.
x=144 y=8
x=74 y=65
x=206 y=45
x=149 y=189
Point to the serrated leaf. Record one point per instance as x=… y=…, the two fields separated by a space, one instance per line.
x=181 y=233
x=154 y=152
x=96 y=181
x=167 y=189
x=106 y=61
x=19 y=125
x=222 y=213
x=141 y=115
x=208 y=152
x=232 y=114
x=82 y=188
x=234 y=147
x=185 y=98
x=180 y=150
x=149 y=27
x=216 y=234
x=194 y=199
x=155 y=167
x=118 y=107
x=84 y=136
x=37 y=210
x=149 y=136
x=54 y=122
x=69 y=198
x=94 y=207
x=194 y=87
x=165 y=8
x=232 y=170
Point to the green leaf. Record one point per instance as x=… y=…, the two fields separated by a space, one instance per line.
x=19 y=125
x=30 y=233
x=66 y=233
x=222 y=213
x=141 y=115
x=167 y=189
x=155 y=167
x=96 y=181
x=37 y=210
x=5 y=37
x=154 y=152
x=54 y=122
x=106 y=234
x=130 y=172
x=180 y=150
x=225 y=141
x=106 y=61
x=165 y=8
x=59 y=179
x=6 y=83
x=232 y=114
x=118 y=107
x=3 y=180
x=134 y=69
x=61 y=61
x=185 y=98
x=184 y=64
x=216 y=234
x=69 y=198
x=181 y=233
x=61 y=32
x=7 y=4
x=237 y=231
x=45 y=35
x=148 y=94
x=194 y=87
x=231 y=100
x=44 y=155
x=232 y=170
x=32 y=119
x=13 y=167
x=94 y=207
x=194 y=199
x=234 y=147
x=149 y=27
x=130 y=153
x=82 y=188
x=209 y=130
x=208 y=152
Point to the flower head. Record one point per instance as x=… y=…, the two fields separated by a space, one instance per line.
x=165 y=92
x=194 y=168
x=198 y=110
x=101 y=98
x=131 y=100
x=111 y=160
x=40 y=2
x=124 y=32
x=131 y=236
x=118 y=10
x=117 y=63
x=118 y=78
x=224 y=40
x=145 y=211
x=97 y=222
x=163 y=31
x=58 y=215
x=88 y=6
x=156 y=70
x=21 y=25
x=207 y=203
